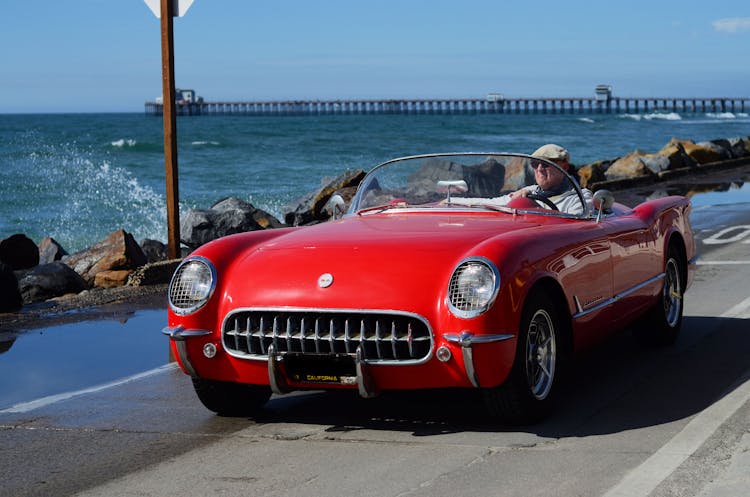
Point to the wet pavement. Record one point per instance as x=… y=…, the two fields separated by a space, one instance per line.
x=52 y=360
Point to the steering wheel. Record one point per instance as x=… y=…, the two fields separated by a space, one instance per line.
x=544 y=200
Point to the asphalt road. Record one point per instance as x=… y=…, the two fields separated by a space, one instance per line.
x=632 y=422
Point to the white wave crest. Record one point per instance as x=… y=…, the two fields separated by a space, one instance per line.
x=585 y=119
x=666 y=116
x=204 y=143
x=122 y=142
x=721 y=115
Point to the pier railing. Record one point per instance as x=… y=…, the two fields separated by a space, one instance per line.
x=614 y=105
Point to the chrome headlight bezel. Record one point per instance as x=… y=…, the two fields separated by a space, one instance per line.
x=192 y=285
x=473 y=287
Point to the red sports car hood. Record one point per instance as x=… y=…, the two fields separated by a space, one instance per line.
x=375 y=260
x=392 y=232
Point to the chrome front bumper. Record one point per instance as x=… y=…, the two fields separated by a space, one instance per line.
x=467 y=341
x=364 y=382
x=179 y=334
x=276 y=378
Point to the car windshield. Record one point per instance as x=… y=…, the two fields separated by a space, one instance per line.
x=506 y=182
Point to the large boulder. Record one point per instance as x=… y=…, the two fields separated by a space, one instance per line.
x=50 y=280
x=228 y=216
x=589 y=174
x=655 y=163
x=739 y=146
x=517 y=175
x=118 y=251
x=19 y=252
x=674 y=151
x=686 y=153
x=311 y=208
x=154 y=250
x=10 y=295
x=50 y=251
x=628 y=167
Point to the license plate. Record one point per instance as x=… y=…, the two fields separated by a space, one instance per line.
x=319 y=369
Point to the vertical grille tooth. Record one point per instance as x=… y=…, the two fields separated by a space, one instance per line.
x=347 y=337
x=248 y=337
x=317 y=336
x=276 y=332
x=383 y=337
x=289 y=347
x=394 y=340
x=262 y=334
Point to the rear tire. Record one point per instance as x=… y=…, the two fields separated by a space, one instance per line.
x=662 y=323
x=231 y=399
x=527 y=394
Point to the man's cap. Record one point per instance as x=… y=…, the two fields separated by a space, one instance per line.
x=552 y=152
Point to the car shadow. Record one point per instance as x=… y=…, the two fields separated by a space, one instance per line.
x=620 y=385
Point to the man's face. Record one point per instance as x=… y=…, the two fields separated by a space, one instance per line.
x=547 y=177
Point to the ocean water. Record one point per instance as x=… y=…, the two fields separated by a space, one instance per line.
x=77 y=177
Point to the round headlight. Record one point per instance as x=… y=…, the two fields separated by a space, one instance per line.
x=473 y=287
x=192 y=285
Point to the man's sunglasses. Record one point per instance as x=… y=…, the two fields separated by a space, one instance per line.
x=536 y=163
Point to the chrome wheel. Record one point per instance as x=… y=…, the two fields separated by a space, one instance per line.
x=661 y=324
x=541 y=354
x=527 y=395
x=672 y=296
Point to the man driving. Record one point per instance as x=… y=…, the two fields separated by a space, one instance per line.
x=551 y=184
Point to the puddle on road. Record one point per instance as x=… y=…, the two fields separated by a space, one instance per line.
x=720 y=208
x=69 y=357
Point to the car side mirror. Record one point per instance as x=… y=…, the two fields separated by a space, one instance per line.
x=603 y=202
x=335 y=206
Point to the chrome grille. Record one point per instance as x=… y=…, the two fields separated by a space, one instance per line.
x=385 y=337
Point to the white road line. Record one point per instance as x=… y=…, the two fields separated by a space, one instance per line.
x=645 y=478
x=741 y=310
x=721 y=263
x=52 y=399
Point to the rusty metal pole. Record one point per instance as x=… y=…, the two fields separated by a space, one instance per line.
x=170 y=128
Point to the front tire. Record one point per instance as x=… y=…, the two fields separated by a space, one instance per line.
x=527 y=394
x=231 y=399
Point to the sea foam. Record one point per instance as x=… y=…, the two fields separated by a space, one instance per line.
x=121 y=143
x=666 y=116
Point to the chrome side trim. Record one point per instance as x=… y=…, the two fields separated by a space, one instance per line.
x=466 y=340
x=581 y=312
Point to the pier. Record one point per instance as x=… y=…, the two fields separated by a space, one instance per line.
x=493 y=104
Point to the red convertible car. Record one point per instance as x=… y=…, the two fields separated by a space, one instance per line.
x=437 y=276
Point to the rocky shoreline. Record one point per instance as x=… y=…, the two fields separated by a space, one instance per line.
x=39 y=282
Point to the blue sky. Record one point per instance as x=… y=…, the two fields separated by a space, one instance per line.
x=105 y=55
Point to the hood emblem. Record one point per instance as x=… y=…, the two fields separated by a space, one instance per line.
x=325 y=280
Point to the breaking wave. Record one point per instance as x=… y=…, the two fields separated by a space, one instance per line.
x=667 y=116
x=122 y=143
x=726 y=115
x=77 y=196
